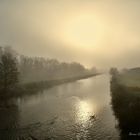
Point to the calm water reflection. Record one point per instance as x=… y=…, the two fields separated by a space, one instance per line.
x=74 y=111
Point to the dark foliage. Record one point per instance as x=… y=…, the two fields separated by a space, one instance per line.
x=8 y=70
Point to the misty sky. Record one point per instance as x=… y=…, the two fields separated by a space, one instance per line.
x=100 y=33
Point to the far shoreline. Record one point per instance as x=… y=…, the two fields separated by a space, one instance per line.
x=35 y=87
x=43 y=85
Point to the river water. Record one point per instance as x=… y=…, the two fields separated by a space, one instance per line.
x=79 y=110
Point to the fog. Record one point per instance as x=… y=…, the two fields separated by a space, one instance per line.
x=93 y=32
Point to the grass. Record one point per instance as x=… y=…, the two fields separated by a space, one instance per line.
x=125 y=100
x=35 y=87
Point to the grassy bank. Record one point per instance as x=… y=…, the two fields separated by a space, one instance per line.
x=125 y=100
x=35 y=87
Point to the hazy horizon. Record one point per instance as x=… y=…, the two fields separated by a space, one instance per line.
x=93 y=32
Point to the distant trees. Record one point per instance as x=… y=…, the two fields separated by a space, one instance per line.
x=40 y=69
x=114 y=71
x=8 y=68
x=34 y=69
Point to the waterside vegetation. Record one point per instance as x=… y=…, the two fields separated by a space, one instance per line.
x=125 y=93
x=20 y=75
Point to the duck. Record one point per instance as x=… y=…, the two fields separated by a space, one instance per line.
x=92 y=117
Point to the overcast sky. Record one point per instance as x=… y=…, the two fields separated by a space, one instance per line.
x=100 y=33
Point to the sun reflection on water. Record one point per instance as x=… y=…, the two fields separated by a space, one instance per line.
x=85 y=110
x=85 y=117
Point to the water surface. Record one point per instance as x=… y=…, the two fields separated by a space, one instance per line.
x=79 y=110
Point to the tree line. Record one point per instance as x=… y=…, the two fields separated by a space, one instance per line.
x=15 y=68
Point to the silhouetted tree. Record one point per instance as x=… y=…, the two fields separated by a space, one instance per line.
x=8 y=69
x=114 y=71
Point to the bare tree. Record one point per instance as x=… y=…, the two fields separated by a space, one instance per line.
x=8 y=69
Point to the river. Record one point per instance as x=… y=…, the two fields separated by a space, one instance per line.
x=79 y=110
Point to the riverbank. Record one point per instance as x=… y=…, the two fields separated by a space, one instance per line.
x=125 y=100
x=35 y=87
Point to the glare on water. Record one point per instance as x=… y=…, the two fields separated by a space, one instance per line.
x=85 y=110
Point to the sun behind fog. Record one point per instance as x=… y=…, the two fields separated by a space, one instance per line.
x=81 y=31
